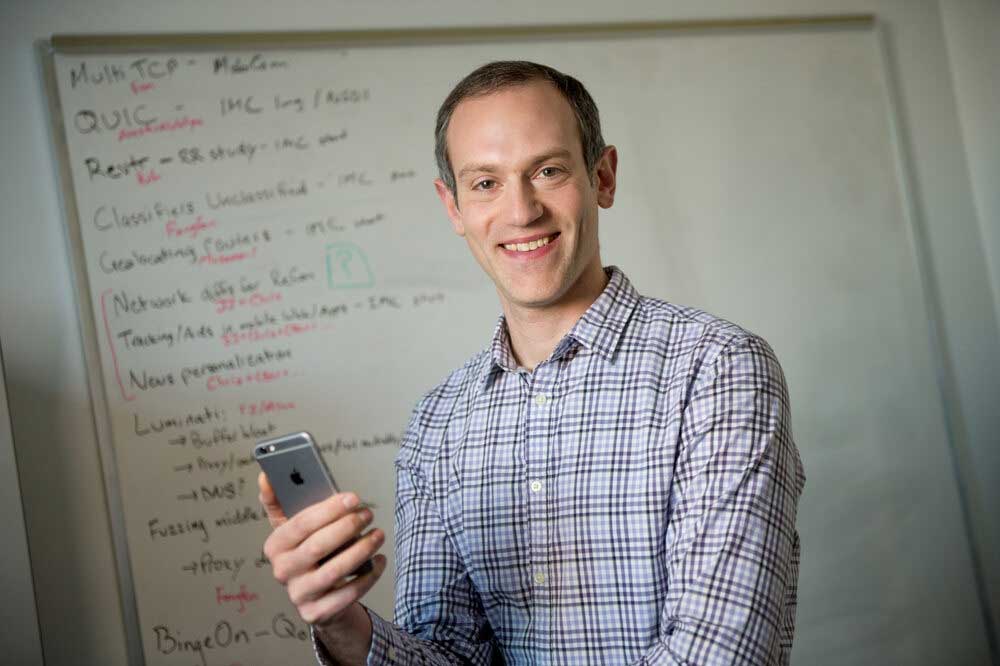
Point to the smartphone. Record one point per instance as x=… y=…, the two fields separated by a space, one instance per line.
x=299 y=476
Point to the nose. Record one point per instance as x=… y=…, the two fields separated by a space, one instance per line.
x=524 y=206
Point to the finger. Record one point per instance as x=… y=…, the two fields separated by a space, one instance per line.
x=275 y=515
x=322 y=610
x=328 y=539
x=305 y=523
x=332 y=574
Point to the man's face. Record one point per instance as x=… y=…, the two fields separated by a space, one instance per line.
x=524 y=201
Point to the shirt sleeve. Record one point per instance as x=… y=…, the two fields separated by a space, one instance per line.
x=393 y=645
x=439 y=616
x=732 y=547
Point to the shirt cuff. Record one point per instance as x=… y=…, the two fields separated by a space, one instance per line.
x=386 y=645
x=322 y=656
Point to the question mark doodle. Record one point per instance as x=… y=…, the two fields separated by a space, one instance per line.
x=347 y=267
x=345 y=259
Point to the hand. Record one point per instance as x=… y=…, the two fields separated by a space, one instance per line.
x=323 y=592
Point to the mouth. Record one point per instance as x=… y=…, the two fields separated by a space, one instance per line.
x=529 y=244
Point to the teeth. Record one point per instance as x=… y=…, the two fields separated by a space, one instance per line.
x=527 y=247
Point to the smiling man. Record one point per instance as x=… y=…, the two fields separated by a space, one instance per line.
x=611 y=481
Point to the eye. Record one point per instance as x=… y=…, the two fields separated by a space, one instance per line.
x=549 y=171
x=484 y=185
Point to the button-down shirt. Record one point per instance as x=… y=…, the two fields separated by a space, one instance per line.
x=631 y=500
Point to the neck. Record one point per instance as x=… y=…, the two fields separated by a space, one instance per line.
x=535 y=332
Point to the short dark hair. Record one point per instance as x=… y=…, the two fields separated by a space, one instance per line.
x=496 y=76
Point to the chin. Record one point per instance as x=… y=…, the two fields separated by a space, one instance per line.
x=541 y=290
x=534 y=298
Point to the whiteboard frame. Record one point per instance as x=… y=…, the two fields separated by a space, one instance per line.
x=124 y=43
x=92 y=359
x=76 y=44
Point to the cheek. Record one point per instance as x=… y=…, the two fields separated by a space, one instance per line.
x=480 y=255
x=573 y=207
x=576 y=197
x=475 y=220
x=477 y=245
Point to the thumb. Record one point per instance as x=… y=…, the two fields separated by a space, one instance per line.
x=275 y=515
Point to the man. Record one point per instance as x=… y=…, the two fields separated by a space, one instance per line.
x=613 y=480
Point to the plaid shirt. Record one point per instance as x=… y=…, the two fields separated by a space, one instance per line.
x=631 y=501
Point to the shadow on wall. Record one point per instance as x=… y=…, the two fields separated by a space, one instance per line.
x=66 y=517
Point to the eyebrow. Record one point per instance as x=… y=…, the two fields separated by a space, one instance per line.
x=489 y=168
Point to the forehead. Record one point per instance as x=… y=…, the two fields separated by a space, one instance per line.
x=512 y=123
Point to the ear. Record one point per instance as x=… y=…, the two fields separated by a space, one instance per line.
x=605 y=177
x=450 y=206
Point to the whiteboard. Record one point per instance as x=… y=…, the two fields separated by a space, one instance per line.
x=259 y=250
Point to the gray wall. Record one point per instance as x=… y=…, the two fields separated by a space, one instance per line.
x=974 y=52
x=19 y=640
x=971 y=31
x=944 y=64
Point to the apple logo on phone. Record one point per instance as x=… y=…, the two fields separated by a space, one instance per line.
x=296 y=477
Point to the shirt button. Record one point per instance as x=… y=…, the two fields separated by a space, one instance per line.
x=540 y=399
x=536 y=486
x=539 y=578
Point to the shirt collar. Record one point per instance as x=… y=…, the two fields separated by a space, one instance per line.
x=599 y=329
x=601 y=326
